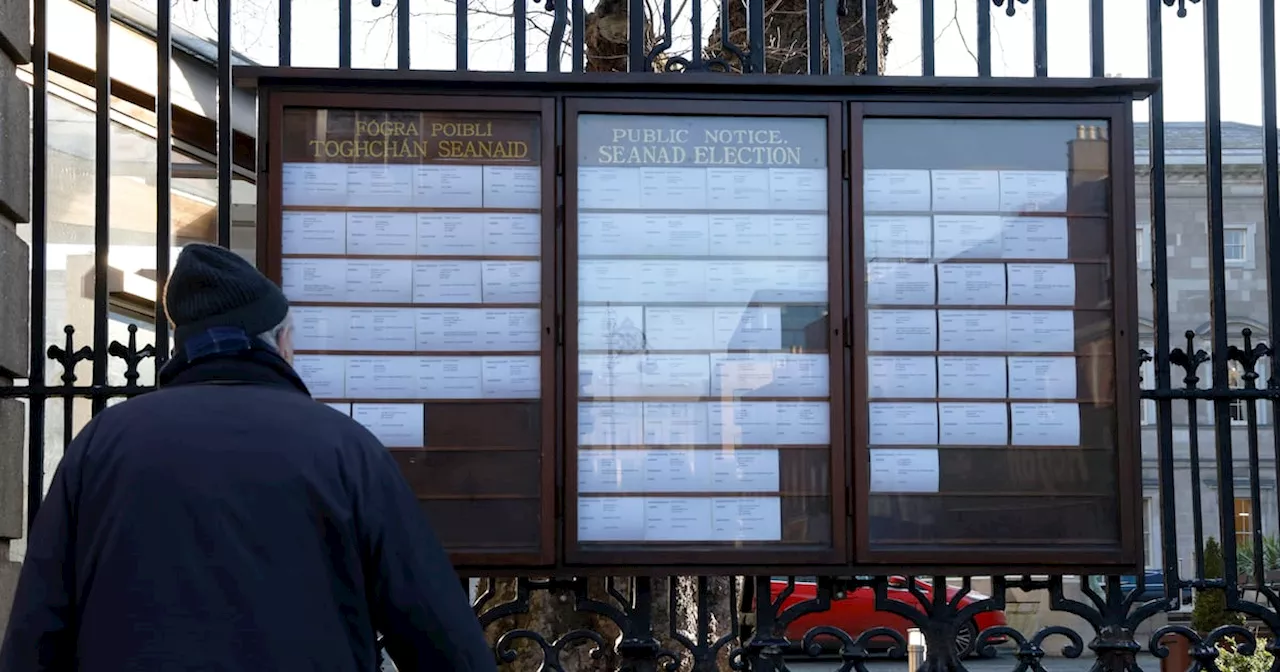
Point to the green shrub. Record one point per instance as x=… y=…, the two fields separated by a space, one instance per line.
x=1270 y=555
x=1231 y=661
x=1210 y=610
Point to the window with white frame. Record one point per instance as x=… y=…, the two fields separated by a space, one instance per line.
x=1147 y=407
x=1240 y=407
x=1143 y=245
x=1149 y=554
x=1235 y=244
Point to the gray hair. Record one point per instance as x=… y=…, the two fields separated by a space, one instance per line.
x=272 y=336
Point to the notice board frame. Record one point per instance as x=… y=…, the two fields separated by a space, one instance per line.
x=548 y=94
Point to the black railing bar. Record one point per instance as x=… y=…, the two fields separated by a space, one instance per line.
x=871 y=31
x=1255 y=487
x=344 y=34
x=1197 y=508
x=460 y=31
x=403 y=35
x=635 y=35
x=74 y=391
x=928 y=40
x=755 y=37
x=830 y=27
x=226 y=160
x=555 y=42
x=102 y=192
x=286 y=33
x=813 y=25
x=164 y=169
x=1097 y=39
x=1211 y=394
x=1040 y=17
x=1271 y=193
x=695 y=28
x=39 y=248
x=520 y=26
x=1218 y=285
x=578 y=35
x=984 y=38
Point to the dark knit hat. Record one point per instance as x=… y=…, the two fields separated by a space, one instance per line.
x=214 y=287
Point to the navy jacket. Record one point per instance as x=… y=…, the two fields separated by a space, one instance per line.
x=229 y=522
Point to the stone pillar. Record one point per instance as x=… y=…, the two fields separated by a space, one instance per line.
x=15 y=207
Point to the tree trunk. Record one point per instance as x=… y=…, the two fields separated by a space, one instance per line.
x=786 y=37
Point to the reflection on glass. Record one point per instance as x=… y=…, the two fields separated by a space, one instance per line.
x=989 y=333
x=703 y=391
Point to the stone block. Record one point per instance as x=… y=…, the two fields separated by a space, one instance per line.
x=15 y=301
x=15 y=30
x=13 y=428
x=15 y=142
x=8 y=584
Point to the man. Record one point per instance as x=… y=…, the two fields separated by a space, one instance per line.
x=229 y=522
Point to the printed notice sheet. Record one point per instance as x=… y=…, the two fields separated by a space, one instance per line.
x=324 y=376
x=610 y=470
x=902 y=470
x=1042 y=284
x=313 y=233
x=1033 y=191
x=1041 y=331
x=395 y=425
x=896 y=191
x=967 y=237
x=1035 y=238
x=971 y=284
x=904 y=423
x=902 y=284
x=1042 y=377
x=966 y=191
x=973 y=424
x=971 y=330
x=908 y=237
x=1045 y=424
x=971 y=377
x=902 y=330
x=320 y=328
x=903 y=377
x=611 y=519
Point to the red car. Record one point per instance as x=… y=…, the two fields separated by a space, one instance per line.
x=855 y=613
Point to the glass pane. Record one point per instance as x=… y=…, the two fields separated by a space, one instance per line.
x=411 y=253
x=702 y=329
x=990 y=372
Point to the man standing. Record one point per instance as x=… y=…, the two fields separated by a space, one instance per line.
x=229 y=522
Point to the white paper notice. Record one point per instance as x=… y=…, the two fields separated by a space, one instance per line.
x=1046 y=424
x=320 y=328
x=1033 y=191
x=744 y=471
x=902 y=330
x=670 y=328
x=670 y=234
x=669 y=185
x=801 y=375
x=611 y=519
x=903 y=423
x=344 y=409
x=743 y=423
x=608 y=188
x=383 y=329
x=325 y=377
x=903 y=377
x=1042 y=284
x=672 y=280
x=971 y=284
x=437 y=186
x=966 y=191
x=610 y=233
x=381 y=184
x=898 y=237
x=901 y=284
x=737 y=189
x=1041 y=331
x=447 y=282
x=798 y=189
x=746 y=518
x=610 y=471
x=610 y=375
x=971 y=330
x=313 y=233
x=677 y=375
x=395 y=425
x=515 y=187
x=451 y=377
x=449 y=330
x=965 y=424
x=381 y=232
x=803 y=423
x=511 y=377
x=450 y=233
x=795 y=235
x=314 y=279
x=1042 y=378
x=758 y=328
x=675 y=424
x=370 y=281
x=610 y=423
x=314 y=184
x=896 y=191
x=743 y=375
x=1035 y=238
x=512 y=282
x=512 y=234
x=740 y=235
x=967 y=237
x=612 y=328
x=677 y=519
x=904 y=470
x=382 y=378
x=971 y=378
x=678 y=470
x=511 y=329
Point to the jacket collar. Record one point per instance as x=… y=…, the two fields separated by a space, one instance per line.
x=228 y=355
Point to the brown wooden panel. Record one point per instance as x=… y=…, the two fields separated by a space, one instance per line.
x=1093 y=286
x=993 y=520
x=514 y=424
x=338 y=135
x=464 y=473
x=805 y=471
x=485 y=525
x=806 y=520
x=1088 y=238
x=1098 y=426
x=1026 y=470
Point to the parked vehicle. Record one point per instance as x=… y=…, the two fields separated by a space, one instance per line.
x=1153 y=586
x=855 y=612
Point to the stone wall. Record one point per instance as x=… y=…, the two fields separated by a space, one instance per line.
x=15 y=206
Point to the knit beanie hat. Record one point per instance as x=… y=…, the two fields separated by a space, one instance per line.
x=211 y=286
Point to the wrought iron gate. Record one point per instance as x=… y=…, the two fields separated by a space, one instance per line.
x=1211 y=370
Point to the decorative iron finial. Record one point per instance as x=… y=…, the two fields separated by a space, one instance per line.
x=1182 y=6
x=68 y=356
x=131 y=355
x=1010 y=9
x=1189 y=362
x=1248 y=356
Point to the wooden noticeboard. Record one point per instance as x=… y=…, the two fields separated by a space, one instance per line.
x=780 y=331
